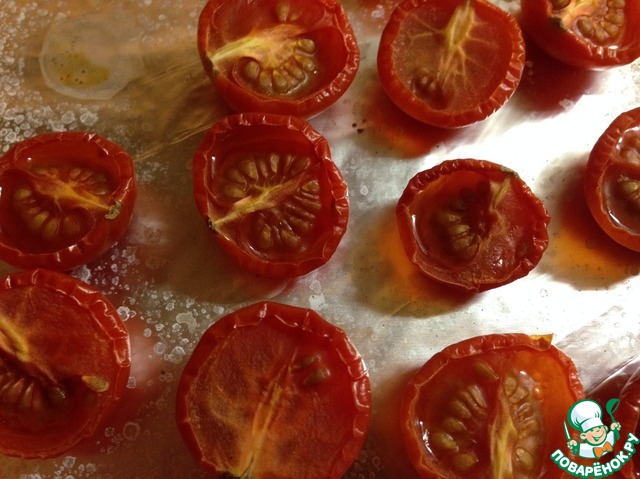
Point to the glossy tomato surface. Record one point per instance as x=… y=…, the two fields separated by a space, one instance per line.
x=274 y=391
x=65 y=198
x=472 y=224
x=450 y=63
x=612 y=180
x=269 y=190
x=296 y=57
x=589 y=34
x=488 y=407
x=64 y=362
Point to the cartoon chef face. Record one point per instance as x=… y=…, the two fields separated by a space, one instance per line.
x=586 y=416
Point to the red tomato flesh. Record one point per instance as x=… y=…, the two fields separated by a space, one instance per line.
x=585 y=33
x=612 y=180
x=267 y=187
x=65 y=198
x=274 y=391
x=64 y=362
x=450 y=63
x=490 y=407
x=294 y=58
x=472 y=224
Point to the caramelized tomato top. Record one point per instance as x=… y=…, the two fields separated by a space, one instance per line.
x=65 y=198
x=287 y=57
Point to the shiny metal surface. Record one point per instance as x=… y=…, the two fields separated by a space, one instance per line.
x=170 y=281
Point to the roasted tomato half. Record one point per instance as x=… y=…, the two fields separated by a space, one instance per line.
x=612 y=180
x=274 y=391
x=490 y=407
x=269 y=190
x=589 y=34
x=450 y=63
x=64 y=362
x=472 y=224
x=65 y=199
x=290 y=57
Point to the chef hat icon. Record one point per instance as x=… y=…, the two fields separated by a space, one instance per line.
x=585 y=414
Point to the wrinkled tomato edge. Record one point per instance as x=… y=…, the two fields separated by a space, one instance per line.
x=599 y=160
x=106 y=232
x=202 y=168
x=412 y=435
x=104 y=313
x=242 y=100
x=295 y=317
x=404 y=98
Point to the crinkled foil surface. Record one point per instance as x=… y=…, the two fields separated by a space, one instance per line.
x=170 y=282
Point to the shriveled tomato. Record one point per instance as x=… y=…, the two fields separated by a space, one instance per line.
x=585 y=33
x=269 y=190
x=295 y=57
x=612 y=180
x=472 y=224
x=450 y=63
x=65 y=198
x=274 y=391
x=488 y=407
x=64 y=362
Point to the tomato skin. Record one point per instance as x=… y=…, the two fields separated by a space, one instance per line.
x=293 y=392
x=557 y=32
x=481 y=370
x=317 y=190
x=611 y=179
x=64 y=362
x=82 y=183
x=449 y=98
x=226 y=27
x=472 y=224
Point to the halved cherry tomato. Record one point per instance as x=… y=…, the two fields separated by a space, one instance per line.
x=589 y=34
x=472 y=224
x=64 y=362
x=490 y=406
x=294 y=57
x=65 y=198
x=268 y=189
x=274 y=391
x=612 y=180
x=450 y=63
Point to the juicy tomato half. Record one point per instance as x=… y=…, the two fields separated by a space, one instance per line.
x=274 y=391
x=472 y=224
x=590 y=34
x=490 y=406
x=612 y=180
x=65 y=198
x=450 y=63
x=64 y=362
x=289 y=57
x=269 y=190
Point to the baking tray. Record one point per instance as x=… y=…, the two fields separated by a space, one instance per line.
x=170 y=281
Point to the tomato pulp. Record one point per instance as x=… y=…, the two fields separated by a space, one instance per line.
x=472 y=224
x=274 y=391
x=65 y=199
x=450 y=63
x=612 y=180
x=585 y=33
x=64 y=362
x=267 y=187
x=295 y=58
x=490 y=406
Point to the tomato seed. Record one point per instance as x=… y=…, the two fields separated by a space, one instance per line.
x=442 y=440
x=464 y=461
x=523 y=459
